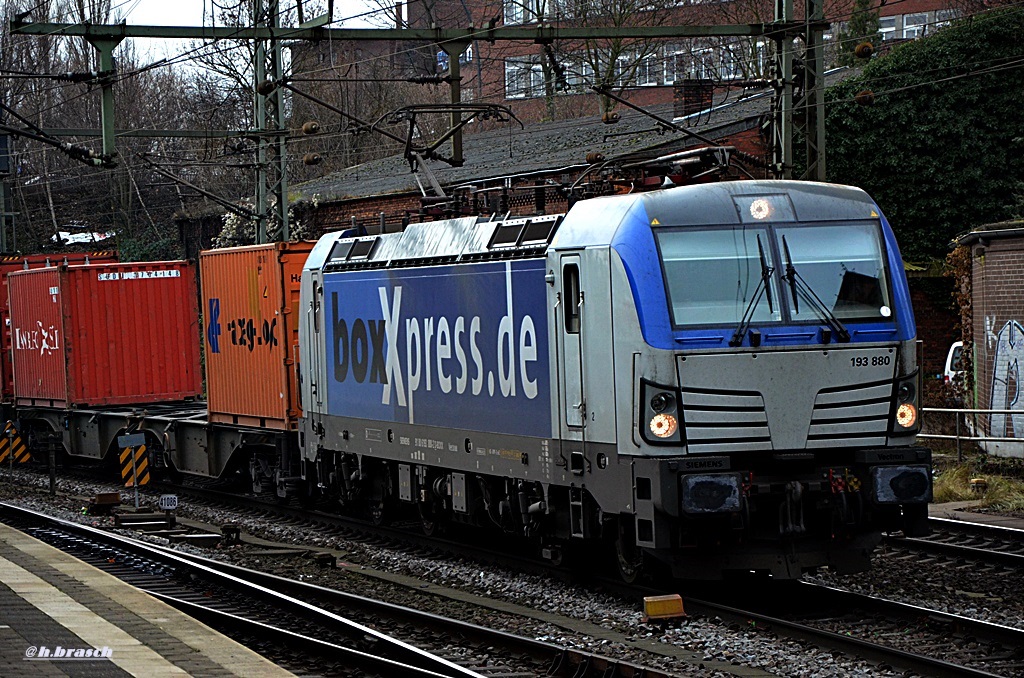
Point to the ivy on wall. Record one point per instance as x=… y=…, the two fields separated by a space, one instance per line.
x=959 y=266
x=941 y=148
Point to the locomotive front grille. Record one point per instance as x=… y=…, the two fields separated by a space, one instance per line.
x=851 y=415
x=719 y=420
x=786 y=400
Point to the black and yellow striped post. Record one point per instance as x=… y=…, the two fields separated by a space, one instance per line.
x=134 y=462
x=12 y=448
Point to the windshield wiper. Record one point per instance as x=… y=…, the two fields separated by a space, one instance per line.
x=799 y=287
x=764 y=286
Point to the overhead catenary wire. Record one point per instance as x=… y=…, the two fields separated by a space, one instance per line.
x=1008 y=65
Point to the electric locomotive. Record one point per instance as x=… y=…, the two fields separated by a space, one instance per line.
x=720 y=377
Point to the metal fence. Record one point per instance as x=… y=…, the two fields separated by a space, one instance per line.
x=967 y=427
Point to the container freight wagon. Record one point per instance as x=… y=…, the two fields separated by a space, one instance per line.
x=105 y=351
x=719 y=378
x=9 y=264
x=250 y=305
x=104 y=335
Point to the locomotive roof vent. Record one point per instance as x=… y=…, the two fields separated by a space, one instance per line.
x=349 y=250
x=528 y=232
x=362 y=248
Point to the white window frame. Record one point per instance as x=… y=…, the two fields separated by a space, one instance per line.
x=887 y=27
x=648 y=72
x=915 y=25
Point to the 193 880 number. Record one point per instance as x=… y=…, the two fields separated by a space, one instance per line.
x=873 y=361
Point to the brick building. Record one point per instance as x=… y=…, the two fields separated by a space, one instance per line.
x=997 y=300
x=552 y=81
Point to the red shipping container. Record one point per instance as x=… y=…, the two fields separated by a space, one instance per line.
x=9 y=264
x=251 y=310
x=98 y=335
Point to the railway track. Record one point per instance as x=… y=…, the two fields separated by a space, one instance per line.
x=888 y=633
x=264 y=611
x=955 y=539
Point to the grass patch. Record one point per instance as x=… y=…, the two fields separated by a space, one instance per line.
x=952 y=482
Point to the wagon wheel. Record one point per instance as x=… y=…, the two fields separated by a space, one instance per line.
x=380 y=512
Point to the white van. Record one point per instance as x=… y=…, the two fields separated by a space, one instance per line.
x=953 y=367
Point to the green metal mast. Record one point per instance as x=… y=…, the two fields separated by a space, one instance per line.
x=271 y=133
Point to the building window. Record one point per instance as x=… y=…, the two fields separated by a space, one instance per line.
x=649 y=70
x=914 y=25
x=943 y=17
x=579 y=75
x=528 y=11
x=729 y=67
x=703 y=65
x=887 y=27
x=515 y=12
x=622 y=70
x=676 y=61
x=523 y=78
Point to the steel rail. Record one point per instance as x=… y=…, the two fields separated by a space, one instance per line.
x=560 y=660
x=399 y=653
x=974 y=552
x=866 y=649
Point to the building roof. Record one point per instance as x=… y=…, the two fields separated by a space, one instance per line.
x=543 y=147
x=995 y=231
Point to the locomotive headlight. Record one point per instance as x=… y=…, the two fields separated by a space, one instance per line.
x=664 y=425
x=660 y=419
x=760 y=209
x=906 y=415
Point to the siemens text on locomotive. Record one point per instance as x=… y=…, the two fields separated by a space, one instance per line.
x=715 y=378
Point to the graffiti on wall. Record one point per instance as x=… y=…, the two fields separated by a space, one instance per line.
x=1006 y=363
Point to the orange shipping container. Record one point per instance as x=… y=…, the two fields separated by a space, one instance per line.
x=251 y=307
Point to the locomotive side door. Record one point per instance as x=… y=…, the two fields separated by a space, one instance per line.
x=568 y=320
x=315 y=370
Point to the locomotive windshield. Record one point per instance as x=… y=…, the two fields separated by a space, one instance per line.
x=713 y=276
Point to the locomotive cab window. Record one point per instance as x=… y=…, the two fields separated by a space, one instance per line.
x=844 y=266
x=571 y=298
x=714 y=276
x=719 y=276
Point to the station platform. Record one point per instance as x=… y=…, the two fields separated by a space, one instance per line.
x=62 y=617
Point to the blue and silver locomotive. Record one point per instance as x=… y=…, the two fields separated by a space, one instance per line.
x=721 y=377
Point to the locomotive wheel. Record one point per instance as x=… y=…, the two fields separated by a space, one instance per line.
x=629 y=558
x=378 y=503
x=431 y=519
x=431 y=526
x=380 y=514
